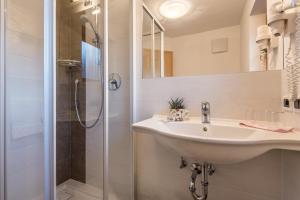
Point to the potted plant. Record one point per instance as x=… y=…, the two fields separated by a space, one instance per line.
x=177 y=110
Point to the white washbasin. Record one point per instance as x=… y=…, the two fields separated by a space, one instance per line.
x=221 y=142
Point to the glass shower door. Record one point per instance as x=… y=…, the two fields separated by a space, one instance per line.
x=24 y=65
x=120 y=159
x=79 y=99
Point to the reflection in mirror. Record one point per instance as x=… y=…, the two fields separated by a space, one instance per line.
x=153 y=56
x=198 y=37
x=158 y=45
x=147 y=45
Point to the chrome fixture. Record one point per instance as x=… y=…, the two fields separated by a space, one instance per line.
x=205 y=110
x=85 y=20
x=115 y=81
x=204 y=170
x=183 y=163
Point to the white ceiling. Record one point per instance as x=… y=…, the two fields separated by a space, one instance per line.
x=205 y=15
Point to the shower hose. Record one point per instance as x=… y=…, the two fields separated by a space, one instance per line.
x=76 y=102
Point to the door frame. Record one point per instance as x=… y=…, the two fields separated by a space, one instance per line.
x=106 y=107
x=49 y=99
x=2 y=99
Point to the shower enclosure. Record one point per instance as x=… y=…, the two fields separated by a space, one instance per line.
x=79 y=99
x=65 y=100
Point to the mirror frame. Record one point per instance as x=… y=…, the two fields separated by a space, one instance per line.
x=155 y=22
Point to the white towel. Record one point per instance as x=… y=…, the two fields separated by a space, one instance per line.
x=267 y=126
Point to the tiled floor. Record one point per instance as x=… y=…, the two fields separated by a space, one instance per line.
x=74 y=190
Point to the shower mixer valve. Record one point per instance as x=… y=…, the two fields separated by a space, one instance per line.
x=115 y=81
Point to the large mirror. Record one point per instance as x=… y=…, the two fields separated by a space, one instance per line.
x=200 y=37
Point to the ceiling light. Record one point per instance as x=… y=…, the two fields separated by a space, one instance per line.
x=173 y=9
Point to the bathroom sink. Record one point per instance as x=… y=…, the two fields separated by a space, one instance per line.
x=220 y=142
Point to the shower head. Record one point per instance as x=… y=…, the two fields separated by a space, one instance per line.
x=85 y=20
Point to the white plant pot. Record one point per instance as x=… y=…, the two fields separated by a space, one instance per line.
x=178 y=114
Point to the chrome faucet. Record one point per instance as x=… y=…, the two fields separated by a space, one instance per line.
x=205 y=109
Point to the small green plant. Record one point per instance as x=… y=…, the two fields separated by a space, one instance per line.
x=176 y=103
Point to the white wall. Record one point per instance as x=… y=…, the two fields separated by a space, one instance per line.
x=168 y=43
x=291 y=164
x=230 y=95
x=193 y=56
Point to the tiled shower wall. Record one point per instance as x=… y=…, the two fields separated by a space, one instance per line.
x=70 y=137
x=63 y=128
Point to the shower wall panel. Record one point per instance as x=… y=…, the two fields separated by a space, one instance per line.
x=120 y=137
x=24 y=100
